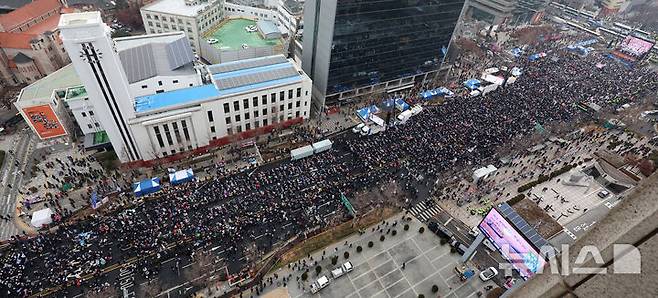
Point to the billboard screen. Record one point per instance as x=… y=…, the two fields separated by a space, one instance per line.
x=44 y=121
x=635 y=46
x=521 y=254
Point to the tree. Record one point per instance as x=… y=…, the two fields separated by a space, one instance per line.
x=443 y=241
x=304 y=276
x=318 y=269
x=435 y=288
x=370 y=244
x=359 y=248
x=130 y=15
x=334 y=260
x=382 y=238
x=421 y=230
x=406 y=227
x=646 y=167
x=197 y=272
x=149 y=289
x=346 y=255
x=421 y=296
x=394 y=232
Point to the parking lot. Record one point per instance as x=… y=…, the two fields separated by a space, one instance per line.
x=379 y=272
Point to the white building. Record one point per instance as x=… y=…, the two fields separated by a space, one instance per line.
x=290 y=15
x=194 y=17
x=152 y=102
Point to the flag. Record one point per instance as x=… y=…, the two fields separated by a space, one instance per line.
x=94 y=200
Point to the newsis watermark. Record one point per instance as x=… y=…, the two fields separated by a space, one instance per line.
x=626 y=259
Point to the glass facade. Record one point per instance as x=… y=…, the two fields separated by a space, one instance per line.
x=377 y=41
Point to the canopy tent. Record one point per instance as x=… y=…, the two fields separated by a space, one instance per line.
x=401 y=104
x=516 y=71
x=472 y=84
x=41 y=217
x=301 y=152
x=535 y=57
x=181 y=176
x=493 y=79
x=322 y=146
x=146 y=186
x=365 y=113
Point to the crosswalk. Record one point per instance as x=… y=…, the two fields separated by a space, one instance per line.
x=424 y=211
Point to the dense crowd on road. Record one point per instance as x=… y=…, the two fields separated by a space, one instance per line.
x=279 y=201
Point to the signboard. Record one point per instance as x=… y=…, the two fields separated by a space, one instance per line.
x=44 y=121
x=635 y=46
x=514 y=247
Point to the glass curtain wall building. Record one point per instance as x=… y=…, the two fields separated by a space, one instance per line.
x=355 y=47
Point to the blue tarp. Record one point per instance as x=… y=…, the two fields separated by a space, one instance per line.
x=146 y=186
x=181 y=176
x=401 y=104
x=516 y=52
x=365 y=113
x=441 y=91
x=472 y=84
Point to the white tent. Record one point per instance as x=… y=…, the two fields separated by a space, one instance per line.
x=181 y=176
x=484 y=172
x=322 y=146
x=302 y=152
x=41 y=217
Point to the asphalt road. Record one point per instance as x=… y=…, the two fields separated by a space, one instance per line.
x=581 y=224
x=11 y=175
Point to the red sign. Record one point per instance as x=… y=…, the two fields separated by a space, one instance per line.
x=44 y=121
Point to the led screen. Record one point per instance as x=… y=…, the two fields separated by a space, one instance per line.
x=45 y=121
x=521 y=254
x=635 y=46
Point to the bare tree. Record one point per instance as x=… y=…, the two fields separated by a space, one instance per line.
x=197 y=273
x=149 y=289
x=109 y=291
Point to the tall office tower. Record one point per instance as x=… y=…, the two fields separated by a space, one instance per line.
x=512 y=12
x=95 y=58
x=352 y=48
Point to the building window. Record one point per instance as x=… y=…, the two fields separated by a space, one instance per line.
x=281 y=107
x=164 y=153
x=245 y=103
x=273 y=97
x=210 y=118
x=246 y=116
x=255 y=114
x=264 y=99
x=226 y=110
x=298 y=104
x=247 y=126
x=185 y=132
x=91 y=113
x=89 y=125
x=306 y=93
x=159 y=91
x=159 y=83
x=264 y=122
x=144 y=86
x=175 y=81
x=238 y=129
x=282 y=96
x=236 y=106
x=255 y=101
x=256 y=124
x=228 y=120
x=264 y=112
x=173 y=151
x=158 y=136
x=176 y=132
x=290 y=94
x=212 y=129
x=290 y=106
x=306 y=103
x=297 y=114
x=168 y=135
x=237 y=118
x=83 y=114
x=299 y=92
x=96 y=124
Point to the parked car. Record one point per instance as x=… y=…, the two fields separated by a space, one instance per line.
x=342 y=270
x=603 y=194
x=474 y=232
x=488 y=273
x=212 y=41
x=357 y=128
x=440 y=230
x=319 y=284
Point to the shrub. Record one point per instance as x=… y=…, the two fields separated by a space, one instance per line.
x=370 y=244
x=334 y=260
x=304 y=276
x=516 y=199
x=394 y=232
x=444 y=241
x=453 y=250
x=346 y=255
x=382 y=238
x=421 y=230
x=435 y=288
x=406 y=227
x=421 y=296
x=318 y=269
x=359 y=248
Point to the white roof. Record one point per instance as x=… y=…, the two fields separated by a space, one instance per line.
x=177 y=7
x=41 y=217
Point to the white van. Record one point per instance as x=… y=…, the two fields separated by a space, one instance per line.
x=357 y=129
x=340 y=271
x=319 y=284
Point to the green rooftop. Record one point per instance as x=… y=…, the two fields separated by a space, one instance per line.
x=42 y=89
x=231 y=34
x=76 y=93
x=101 y=138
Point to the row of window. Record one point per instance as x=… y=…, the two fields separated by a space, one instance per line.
x=168 y=134
x=95 y=124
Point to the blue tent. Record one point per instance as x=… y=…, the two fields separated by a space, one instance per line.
x=516 y=52
x=472 y=84
x=401 y=104
x=364 y=113
x=146 y=186
x=443 y=91
x=181 y=176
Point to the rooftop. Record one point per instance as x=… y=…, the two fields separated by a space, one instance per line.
x=294 y=7
x=16 y=40
x=42 y=89
x=267 y=27
x=76 y=93
x=177 y=7
x=229 y=78
x=232 y=35
x=27 y=12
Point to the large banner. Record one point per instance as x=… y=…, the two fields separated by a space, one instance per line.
x=635 y=46
x=44 y=121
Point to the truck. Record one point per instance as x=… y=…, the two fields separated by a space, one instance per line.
x=319 y=284
x=404 y=116
x=342 y=270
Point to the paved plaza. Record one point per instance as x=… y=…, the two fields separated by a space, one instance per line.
x=379 y=272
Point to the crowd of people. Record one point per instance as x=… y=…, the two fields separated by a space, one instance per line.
x=279 y=201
